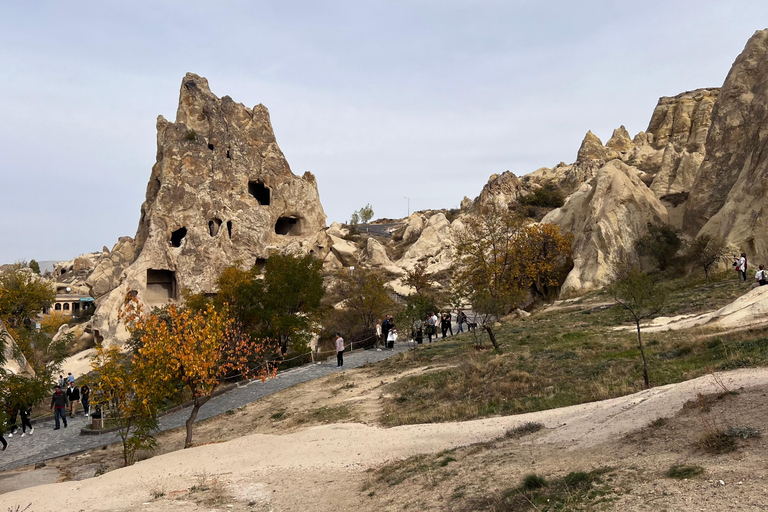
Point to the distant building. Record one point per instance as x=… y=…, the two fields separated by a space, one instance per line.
x=71 y=304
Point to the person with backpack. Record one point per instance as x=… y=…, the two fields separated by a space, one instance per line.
x=431 y=326
x=73 y=396
x=761 y=277
x=461 y=318
x=26 y=413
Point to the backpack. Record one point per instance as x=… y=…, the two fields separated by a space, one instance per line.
x=763 y=281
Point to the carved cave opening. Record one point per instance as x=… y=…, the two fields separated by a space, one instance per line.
x=177 y=236
x=260 y=264
x=288 y=226
x=210 y=146
x=229 y=155
x=229 y=229
x=161 y=286
x=214 y=226
x=260 y=192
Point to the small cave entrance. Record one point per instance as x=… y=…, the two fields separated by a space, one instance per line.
x=229 y=155
x=214 y=226
x=229 y=229
x=260 y=264
x=260 y=192
x=288 y=226
x=177 y=236
x=210 y=146
x=161 y=286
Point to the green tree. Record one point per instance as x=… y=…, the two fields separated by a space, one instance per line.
x=362 y=296
x=23 y=294
x=281 y=303
x=35 y=266
x=642 y=296
x=706 y=252
x=662 y=242
x=366 y=213
x=500 y=258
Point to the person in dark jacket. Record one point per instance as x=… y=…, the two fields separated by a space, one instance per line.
x=59 y=406
x=26 y=413
x=85 y=398
x=73 y=396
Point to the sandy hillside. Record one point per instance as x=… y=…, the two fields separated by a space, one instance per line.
x=326 y=465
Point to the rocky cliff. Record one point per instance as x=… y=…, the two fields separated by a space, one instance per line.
x=729 y=197
x=220 y=192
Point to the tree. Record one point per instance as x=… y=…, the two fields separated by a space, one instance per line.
x=500 y=257
x=706 y=252
x=280 y=304
x=661 y=243
x=640 y=294
x=193 y=349
x=364 y=215
x=35 y=266
x=133 y=409
x=43 y=355
x=23 y=294
x=361 y=294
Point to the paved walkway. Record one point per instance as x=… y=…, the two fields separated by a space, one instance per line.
x=46 y=443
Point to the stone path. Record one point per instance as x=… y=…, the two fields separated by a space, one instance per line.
x=46 y=443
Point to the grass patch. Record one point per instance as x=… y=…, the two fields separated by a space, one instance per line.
x=561 y=358
x=682 y=471
x=574 y=491
x=529 y=427
x=659 y=422
x=326 y=415
x=429 y=466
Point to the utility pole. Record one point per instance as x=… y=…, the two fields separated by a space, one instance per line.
x=409 y=205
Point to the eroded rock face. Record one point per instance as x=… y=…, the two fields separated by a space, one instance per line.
x=606 y=216
x=729 y=197
x=220 y=192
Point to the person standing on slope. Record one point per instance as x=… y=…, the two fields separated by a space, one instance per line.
x=339 y=350
x=741 y=266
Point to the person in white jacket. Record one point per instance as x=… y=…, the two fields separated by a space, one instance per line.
x=339 y=350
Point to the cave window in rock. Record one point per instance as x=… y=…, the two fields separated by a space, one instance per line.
x=177 y=236
x=210 y=146
x=229 y=229
x=214 y=226
x=260 y=192
x=288 y=226
x=57 y=307
x=260 y=264
x=75 y=306
x=229 y=155
x=161 y=286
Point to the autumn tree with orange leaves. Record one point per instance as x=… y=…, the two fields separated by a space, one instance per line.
x=501 y=256
x=195 y=349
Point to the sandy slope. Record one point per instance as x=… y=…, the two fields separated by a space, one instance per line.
x=282 y=472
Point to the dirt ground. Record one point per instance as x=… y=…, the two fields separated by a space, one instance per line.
x=319 y=443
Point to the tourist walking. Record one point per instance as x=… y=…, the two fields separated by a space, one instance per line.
x=418 y=330
x=378 y=334
x=461 y=319
x=26 y=414
x=392 y=337
x=59 y=407
x=85 y=398
x=70 y=378
x=445 y=323
x=339 y=350
x=431 y=331
x=62 y=382
x=386 y=325
x=2 y=440
x=12 y=414
x=73 y=396
x=741 y=266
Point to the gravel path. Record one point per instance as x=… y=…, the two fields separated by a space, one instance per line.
x=46 y=443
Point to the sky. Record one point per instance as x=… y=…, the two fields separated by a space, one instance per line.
x=403 y=105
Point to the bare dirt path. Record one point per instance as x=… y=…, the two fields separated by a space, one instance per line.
x=324 y=465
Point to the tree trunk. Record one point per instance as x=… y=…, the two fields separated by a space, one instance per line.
x=492 y=336
x=199 y=402
x=642 y=353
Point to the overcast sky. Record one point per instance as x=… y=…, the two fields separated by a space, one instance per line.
x=380 y=100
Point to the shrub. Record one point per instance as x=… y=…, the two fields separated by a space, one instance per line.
x=529 y=427
x=533 y=481
x=717 y=443
x=682 y=471
x=548 y=196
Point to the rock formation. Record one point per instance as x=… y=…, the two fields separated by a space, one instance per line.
x=729 y=197
x=220 y=192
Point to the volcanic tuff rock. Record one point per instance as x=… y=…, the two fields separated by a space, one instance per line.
x=220 y=192
x=606 y=215
x=729 y=197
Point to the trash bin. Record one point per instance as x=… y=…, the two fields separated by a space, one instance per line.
x=97 y=423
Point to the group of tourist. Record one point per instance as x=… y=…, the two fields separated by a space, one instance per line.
x=740 y=264
x=386 y=331
x=66 y=396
